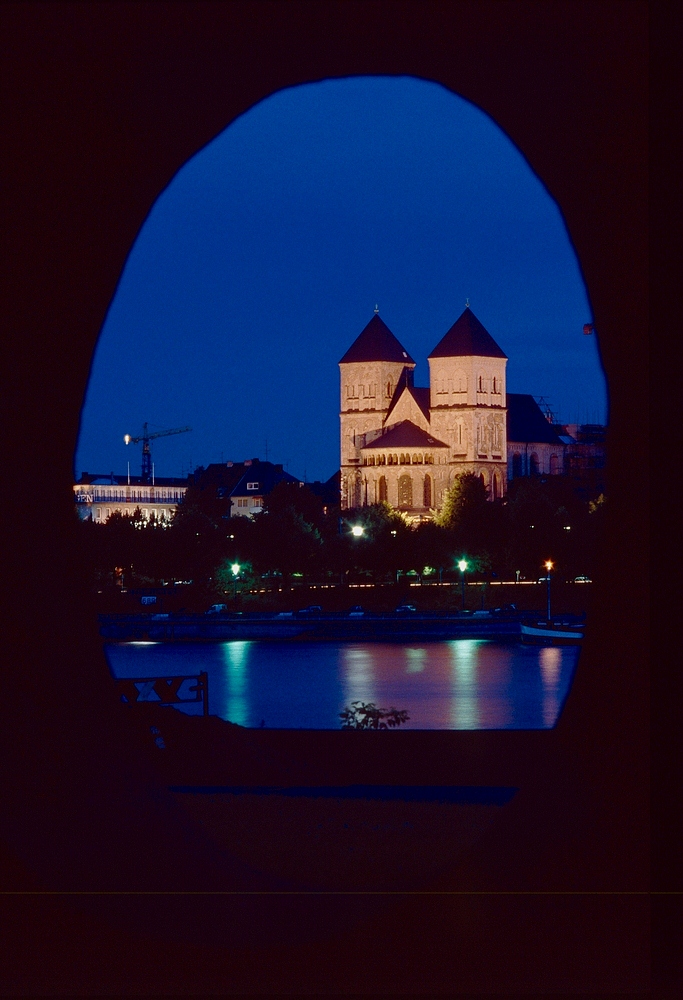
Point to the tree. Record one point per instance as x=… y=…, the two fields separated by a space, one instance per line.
x=362 y=715
x=464 y=503
x=283 y=540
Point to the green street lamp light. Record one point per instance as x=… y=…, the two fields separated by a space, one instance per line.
x=357 y=530
x=462 y=566
x=235 y=568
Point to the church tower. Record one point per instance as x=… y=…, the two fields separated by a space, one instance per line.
x=468 y=401
x=371 y=371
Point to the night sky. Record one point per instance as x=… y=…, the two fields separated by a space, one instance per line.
x=263 y=260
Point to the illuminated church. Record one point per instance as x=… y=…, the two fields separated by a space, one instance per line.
x=405 y=444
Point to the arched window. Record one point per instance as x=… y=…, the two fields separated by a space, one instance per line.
x=383 y=495
x=389 y=389
x=415 y=459
x=494 y=487
x=534 y=467
x=554 y=465
x=516 y=464
x=427 y=492
x=405 y=491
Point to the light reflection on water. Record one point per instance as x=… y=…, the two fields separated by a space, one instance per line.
x=236 y=705
x=457 y=684
x=551 y=671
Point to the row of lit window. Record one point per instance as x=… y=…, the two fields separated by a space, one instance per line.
x=128 y=495
x=400 y=459
x=102 y=513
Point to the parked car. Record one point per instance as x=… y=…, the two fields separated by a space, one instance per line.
x=582 y=579
x=160 y=618
x=405 y=609
x=356 y=611
x=312 y=609
x=217 y=609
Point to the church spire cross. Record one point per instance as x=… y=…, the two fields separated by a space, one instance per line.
x=467 y=303
x=376 y=309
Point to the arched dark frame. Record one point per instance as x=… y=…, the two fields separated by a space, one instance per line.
x=108 y=102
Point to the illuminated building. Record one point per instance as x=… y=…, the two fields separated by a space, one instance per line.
x=98 y=497
x=405 y=444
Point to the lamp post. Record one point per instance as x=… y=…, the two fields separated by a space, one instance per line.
x=235 y=568
x=548 y=566
x=462 y=566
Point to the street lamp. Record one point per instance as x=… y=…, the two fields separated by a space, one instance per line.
x=462 y=566
x=357 y=530
x=235 y=569
x=548 y=566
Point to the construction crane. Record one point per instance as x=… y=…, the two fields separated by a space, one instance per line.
x=146 y=437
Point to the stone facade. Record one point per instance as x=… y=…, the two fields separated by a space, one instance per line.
x=406 y=444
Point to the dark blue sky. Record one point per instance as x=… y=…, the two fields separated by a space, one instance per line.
x=263 y=259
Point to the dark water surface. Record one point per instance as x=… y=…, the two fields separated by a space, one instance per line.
x=456 y=684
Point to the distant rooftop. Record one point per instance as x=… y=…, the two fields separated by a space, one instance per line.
x=526 y=422
x=113 y=479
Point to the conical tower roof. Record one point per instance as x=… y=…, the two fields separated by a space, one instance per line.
x=376 y=343
x=467 y=338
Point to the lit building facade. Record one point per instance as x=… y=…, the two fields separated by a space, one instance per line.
x=98 y=497
x=404 y=444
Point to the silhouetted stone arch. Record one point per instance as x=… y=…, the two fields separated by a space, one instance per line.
x=517 y=469
x=534 y=465
x=383 y=493
x=427 y=492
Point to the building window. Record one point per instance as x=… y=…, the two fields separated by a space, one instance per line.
x=405 y=491
x=554 y=465
x=242 y=502
x=534 y=466
x=383 y=494
x=252 y=486
x=427 y=492
x=494 y=487
x=516 y=464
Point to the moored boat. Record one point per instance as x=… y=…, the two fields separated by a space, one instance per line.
x=552 y=632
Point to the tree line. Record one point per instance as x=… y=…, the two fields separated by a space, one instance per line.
x=297 y=538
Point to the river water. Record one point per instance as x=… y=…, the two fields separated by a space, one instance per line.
x=456 y=684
